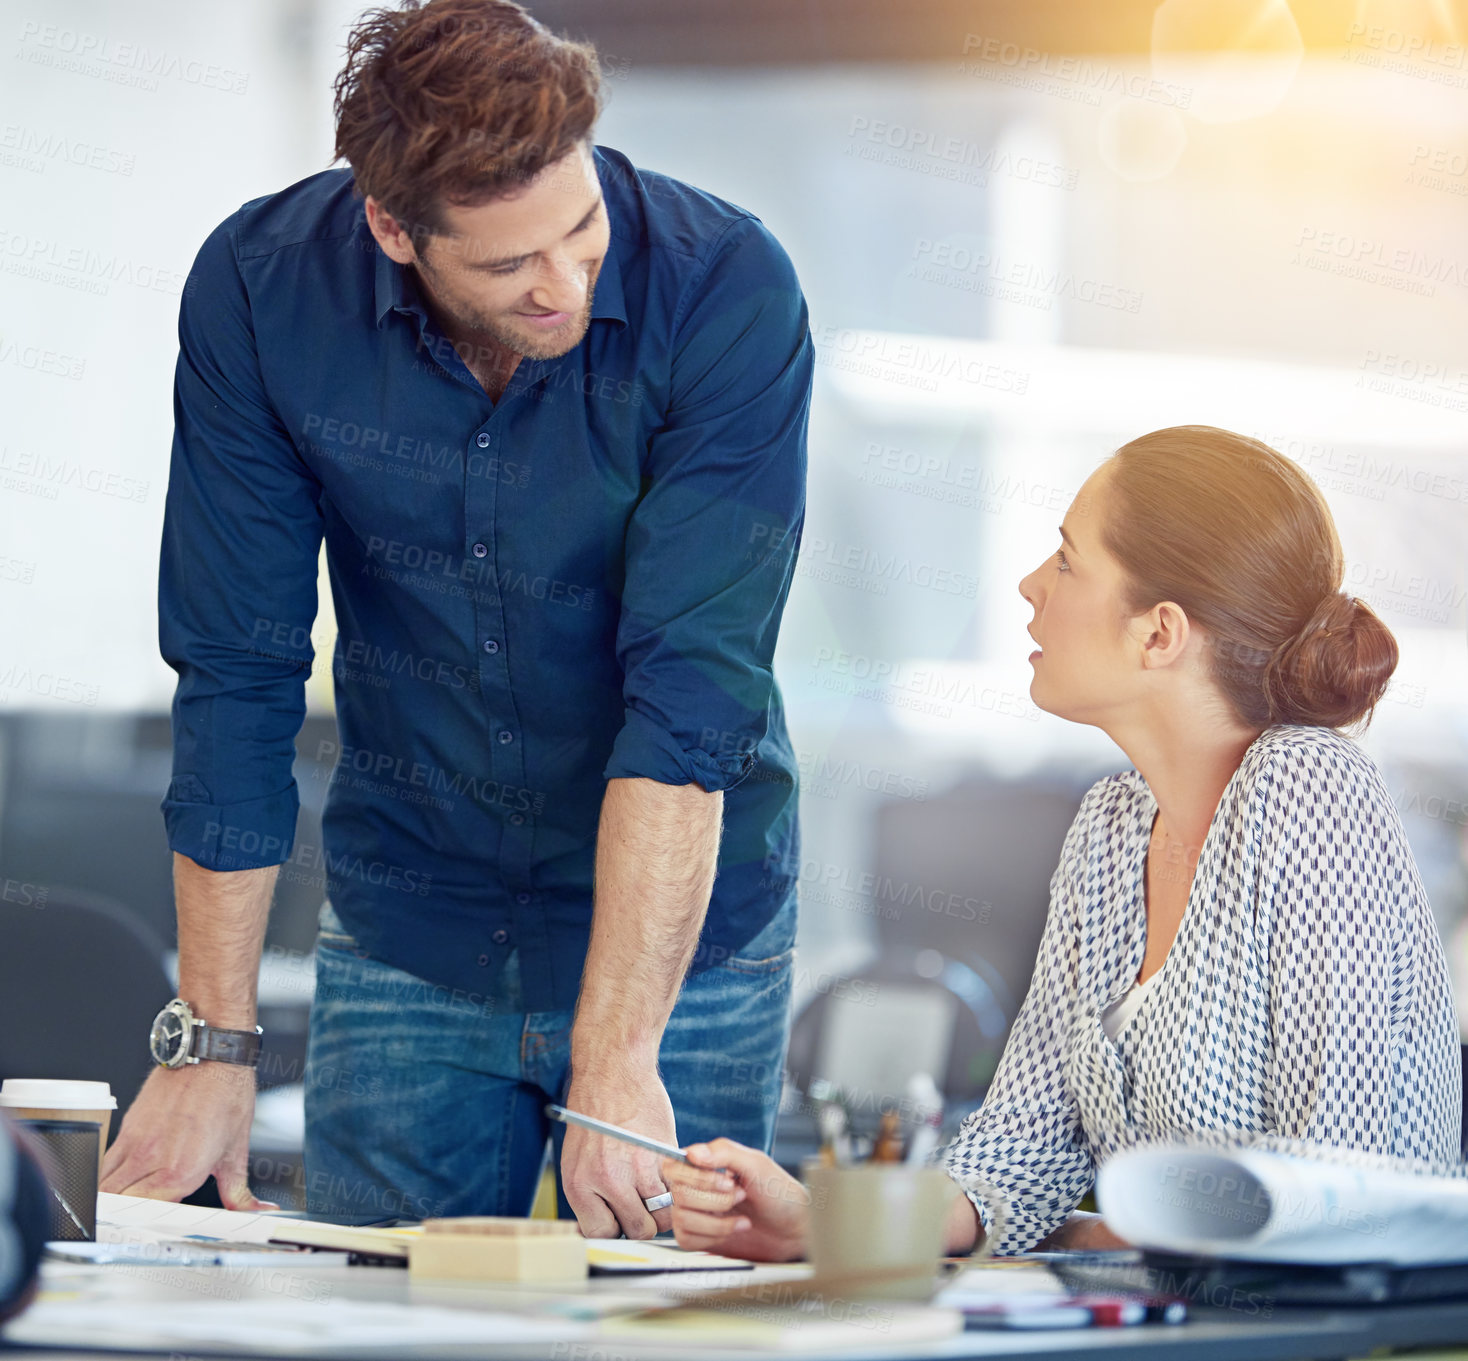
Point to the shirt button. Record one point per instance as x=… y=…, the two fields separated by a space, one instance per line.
x=491 y=646
x=480 y=550
x=506 y=736
x=483 y=960
x=516 y=819
x=483 y=440
x=522 y=898
x=500 y=937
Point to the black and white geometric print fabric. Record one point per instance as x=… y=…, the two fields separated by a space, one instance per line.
x=1304 y=1002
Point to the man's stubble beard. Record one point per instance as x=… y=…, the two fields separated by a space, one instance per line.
x=478 y=328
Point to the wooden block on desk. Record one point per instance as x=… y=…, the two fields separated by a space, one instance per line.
x=495 y=1249
x=502 y=1226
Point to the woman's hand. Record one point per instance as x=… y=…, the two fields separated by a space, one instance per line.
x=754 y=1210
x=1082 y=1232
x=962 y=1230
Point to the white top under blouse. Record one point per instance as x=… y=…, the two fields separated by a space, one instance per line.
x=1119 y=1014
x=1305 y=996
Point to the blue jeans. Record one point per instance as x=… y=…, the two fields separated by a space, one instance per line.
x=424 y=1101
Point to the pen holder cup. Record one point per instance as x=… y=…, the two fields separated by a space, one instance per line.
x=876 y=1230
x=69 y=1156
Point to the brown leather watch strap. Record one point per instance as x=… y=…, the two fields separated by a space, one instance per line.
x=230 y=1046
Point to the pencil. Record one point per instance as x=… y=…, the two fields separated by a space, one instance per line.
x=627 y=1136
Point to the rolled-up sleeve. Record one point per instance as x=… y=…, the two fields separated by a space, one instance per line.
x=237 y=583
x=711 y=547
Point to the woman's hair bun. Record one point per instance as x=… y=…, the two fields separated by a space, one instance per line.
x=1242 y=540
x=1334 y=669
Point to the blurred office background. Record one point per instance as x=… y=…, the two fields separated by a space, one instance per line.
x=1026 y=233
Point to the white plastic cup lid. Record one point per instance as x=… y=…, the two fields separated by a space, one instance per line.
x=41 y=1093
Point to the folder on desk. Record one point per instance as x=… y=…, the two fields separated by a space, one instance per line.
x=605 y=1256
x=628 y=1257
x=389 y=1243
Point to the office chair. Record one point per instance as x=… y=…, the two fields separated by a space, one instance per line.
x=80 y=983
x=904 y=1011
x=967 y=873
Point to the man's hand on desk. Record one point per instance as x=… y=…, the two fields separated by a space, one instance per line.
x=185 y=1124
x=607 y=1181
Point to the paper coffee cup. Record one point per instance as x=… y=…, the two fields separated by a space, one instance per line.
x=876 y=1218
x=37 y=1098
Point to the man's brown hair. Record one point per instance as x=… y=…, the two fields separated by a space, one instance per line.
x=458 y=102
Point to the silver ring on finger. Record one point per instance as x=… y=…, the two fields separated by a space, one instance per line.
x=659 y=1202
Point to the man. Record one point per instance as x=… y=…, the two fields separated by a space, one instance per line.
x=548 y=412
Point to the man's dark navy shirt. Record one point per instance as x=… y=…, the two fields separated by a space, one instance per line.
x=581 y=582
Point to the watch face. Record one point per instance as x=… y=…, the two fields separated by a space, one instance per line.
x=170 y=1031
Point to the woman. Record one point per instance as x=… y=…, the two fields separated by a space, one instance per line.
x=1238 y=941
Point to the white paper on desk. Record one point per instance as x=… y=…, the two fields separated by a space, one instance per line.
x=137 y=1219
x=185 y=1252
x=977 y=1287
x=251 y=1323
x=1265 y=1206
x=609 y=1256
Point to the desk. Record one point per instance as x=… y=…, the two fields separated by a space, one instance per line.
x=1210 y=1335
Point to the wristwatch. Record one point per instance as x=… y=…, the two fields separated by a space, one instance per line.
x=179 y=1037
